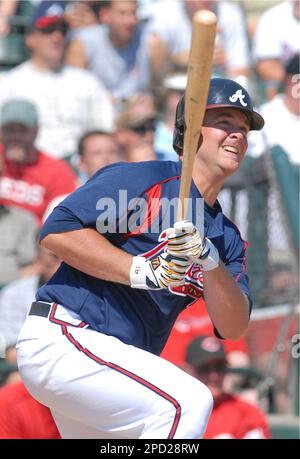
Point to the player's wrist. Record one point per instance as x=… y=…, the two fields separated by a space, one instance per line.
x=209 y=258
x=142 y=275
x=138 y=273
x=163 y=271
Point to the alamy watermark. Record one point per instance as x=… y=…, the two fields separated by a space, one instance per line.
x=295 y=348
x=123 y=216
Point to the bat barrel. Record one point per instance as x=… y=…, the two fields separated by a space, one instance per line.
x=198 y=79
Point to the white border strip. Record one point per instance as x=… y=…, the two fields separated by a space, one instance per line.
x=273 y=311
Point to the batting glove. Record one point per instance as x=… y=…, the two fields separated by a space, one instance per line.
x=184 y=240
x=160 y=272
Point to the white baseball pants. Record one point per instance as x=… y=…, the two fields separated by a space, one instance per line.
x=98 y=387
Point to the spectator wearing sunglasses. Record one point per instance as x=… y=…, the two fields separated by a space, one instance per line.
x=135 y=128
x=231 y=417
x=70 y=101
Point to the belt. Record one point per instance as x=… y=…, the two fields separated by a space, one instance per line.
x=43 y=309
x=38 y=308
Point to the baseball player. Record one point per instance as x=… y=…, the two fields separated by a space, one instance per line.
x=90 y=346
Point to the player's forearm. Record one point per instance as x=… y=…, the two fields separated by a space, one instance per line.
x=226 y=303
x=89 y=252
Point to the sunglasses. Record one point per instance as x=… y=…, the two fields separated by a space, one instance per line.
x=62 y=27
x=141 y=129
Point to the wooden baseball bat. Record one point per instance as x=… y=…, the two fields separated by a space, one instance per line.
x=198 y=80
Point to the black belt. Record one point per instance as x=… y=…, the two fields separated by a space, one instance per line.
x=38 y=308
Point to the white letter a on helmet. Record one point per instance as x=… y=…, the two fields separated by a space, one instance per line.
x=238 y=95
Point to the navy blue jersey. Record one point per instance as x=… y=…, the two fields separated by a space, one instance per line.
x=143 y=318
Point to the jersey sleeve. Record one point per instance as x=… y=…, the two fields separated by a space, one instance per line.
x=82 y=208
x=103 y=202
x=237 y=268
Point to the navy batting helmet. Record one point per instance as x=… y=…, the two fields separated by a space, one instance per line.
x=222 y=93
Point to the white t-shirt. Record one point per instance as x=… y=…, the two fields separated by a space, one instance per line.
x=281 y=128
x=172 y=25
x=278 y=34
x=123 y=71
x=70 y=102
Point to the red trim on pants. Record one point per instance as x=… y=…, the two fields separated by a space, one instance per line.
x=129 y=374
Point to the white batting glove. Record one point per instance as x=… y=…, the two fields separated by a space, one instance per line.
x=184 y=240
x=160 y=272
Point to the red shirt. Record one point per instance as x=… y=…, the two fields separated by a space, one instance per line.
x=190 y=323
x=34 y=186
x=233 y=417
x=21 y=416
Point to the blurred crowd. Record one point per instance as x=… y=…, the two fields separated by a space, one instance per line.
x=100 y=85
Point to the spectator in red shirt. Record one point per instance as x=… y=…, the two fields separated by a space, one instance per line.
x=22 y=417
x=195 y=321
x=31 y=179
x=231 y=416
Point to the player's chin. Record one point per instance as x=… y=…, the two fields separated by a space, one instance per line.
x=230 y=165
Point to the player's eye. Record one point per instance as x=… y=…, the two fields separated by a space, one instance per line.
x=223 y=121
x=244 y=129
